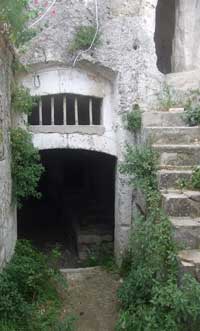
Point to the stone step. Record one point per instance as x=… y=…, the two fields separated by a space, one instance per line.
x=190 y=262
x=95 y=234
x=187 y=231
x=178 y=155
x=185 y=204
x=173 y=135
x=169 y=179
x=163 y=119
x=94 y=238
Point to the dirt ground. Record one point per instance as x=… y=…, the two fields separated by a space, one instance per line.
x=92 y=298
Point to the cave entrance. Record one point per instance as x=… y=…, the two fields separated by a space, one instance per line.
x=164 y=34
x=76 y=211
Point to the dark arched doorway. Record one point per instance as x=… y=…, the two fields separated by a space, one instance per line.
x=76 y=211
x=164 y=34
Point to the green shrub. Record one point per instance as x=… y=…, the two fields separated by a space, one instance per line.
x=29 y=293
x=84 y=37
x=141 y=165
x=134 y=119
x=195 y=180
x=153 y=296
x=191 y=184
x=168 y=98
x=101 y=255
x=21 y=100
x=30 y=270
x=192 y=108
x=26 y=169
x=192 y=115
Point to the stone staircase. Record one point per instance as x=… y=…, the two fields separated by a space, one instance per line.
x=178 y=147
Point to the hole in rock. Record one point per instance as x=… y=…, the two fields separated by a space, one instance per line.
x=76 y=211
x=164 y=34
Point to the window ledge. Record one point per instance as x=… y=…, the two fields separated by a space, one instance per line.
x=68 y=129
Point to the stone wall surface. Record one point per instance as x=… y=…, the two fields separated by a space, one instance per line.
x=186 y=49
x=122 y=70
x=8 y=230
x=126 y=58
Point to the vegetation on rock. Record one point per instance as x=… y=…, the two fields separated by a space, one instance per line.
x=134 y=119
x=13 y=21
x=21 y=100
x=25 y=166
x=168 y=98
x=153 y=296
x=192 y=108
x=84 y=37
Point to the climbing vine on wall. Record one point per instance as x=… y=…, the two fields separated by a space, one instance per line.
x=22 y=101
x=13 y=18
x=15 y=14
x=26 y=167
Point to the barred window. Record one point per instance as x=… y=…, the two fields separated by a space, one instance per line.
x=66 y=109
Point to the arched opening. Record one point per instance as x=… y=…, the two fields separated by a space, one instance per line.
x=164 y=34
x=76 y=211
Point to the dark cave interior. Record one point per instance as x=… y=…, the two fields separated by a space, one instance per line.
x=77 y=204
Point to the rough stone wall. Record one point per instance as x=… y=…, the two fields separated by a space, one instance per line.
x=8 y=230
x=126 y=56
x=186 y=49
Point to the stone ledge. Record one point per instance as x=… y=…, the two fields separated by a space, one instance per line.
x=68 y=129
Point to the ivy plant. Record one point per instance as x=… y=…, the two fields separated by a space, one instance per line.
x=21 y=100
x=26 y=167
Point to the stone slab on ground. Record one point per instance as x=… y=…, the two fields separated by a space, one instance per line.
x=92 y=298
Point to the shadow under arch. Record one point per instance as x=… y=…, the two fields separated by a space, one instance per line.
x=164 y=34
x=77 y=204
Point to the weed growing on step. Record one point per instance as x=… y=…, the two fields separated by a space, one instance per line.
x=195 y=180
x=133 y=120
x=25 y=166
x=84 y=37
x=191 y=184
x=153 y=296
x=168 y=98
x=101 y=255
x=29 y=293
x=192 y=108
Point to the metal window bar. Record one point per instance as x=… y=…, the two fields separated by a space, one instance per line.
x=76 y=110
x=90 y=111
x=52 y=110
x=40 y=111
x=64 y=110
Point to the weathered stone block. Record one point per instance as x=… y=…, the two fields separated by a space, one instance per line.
x=179 y=155
x=187 y=231
x=186 y=204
